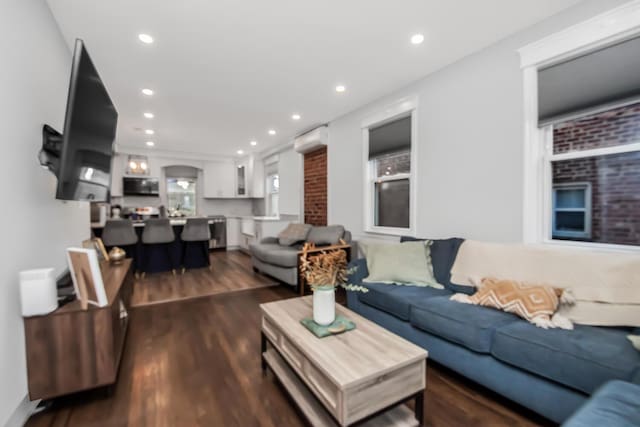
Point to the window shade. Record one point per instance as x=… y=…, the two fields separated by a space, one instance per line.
x=390 y=137
x=603 y=79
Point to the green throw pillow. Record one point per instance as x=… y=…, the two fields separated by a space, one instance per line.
x=407 y=263
x=635 y=340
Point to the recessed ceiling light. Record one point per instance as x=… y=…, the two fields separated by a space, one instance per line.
x=272 y=132
x=295 y=116
x=417 y=38
x=150 y=143
x=145 y=38
x=340 y=88
x=147 y=92
x=240 y=152
x=149 y=131
x=253 y=143
x=149 y=115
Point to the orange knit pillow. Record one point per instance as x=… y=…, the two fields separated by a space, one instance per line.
x=535 y=303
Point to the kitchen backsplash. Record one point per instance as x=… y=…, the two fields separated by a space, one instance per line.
x=240 y=207
x=259 y=207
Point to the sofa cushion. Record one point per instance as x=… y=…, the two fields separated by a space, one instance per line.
x=468 y=325
x=273 y=253
x=329 y=235
x=583 y=358
x=294 y=233
x=616 y=404
x=443 y=255
x=395 y=299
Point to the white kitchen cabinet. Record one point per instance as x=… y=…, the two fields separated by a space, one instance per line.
x=249 y=177
x=234 y=236
x=256 y=177
x=242 y=178
x=219 y=180
x=248 y=229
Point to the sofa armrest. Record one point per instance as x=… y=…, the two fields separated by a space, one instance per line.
x=269 y=240
x=360 y=272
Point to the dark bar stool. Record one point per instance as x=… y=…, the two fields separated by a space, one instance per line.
x=120 y=232
x=157 y=232
x=196 y=230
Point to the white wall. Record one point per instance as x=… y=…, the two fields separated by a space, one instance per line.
x=36 y=228
x=291 y=182
x=470 y=136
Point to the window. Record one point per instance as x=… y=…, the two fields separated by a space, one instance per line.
x=581 y=131
x=181 y=196
x=594 y=166
x=572 y=211
x=392 y=189
x=390 y=170
x=273 y=188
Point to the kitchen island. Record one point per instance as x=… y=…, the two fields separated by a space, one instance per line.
x=181 y=254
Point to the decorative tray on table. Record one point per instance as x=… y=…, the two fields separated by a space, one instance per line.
x=340 y=325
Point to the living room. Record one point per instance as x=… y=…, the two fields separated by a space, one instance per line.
x=265 y=155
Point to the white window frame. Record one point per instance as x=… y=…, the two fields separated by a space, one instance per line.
x=406 y=107
x=618 y=24
x=586 y=186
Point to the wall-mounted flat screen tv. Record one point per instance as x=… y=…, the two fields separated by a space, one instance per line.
x=84 y=170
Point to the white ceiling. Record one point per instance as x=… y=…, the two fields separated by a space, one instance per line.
x=226 y=71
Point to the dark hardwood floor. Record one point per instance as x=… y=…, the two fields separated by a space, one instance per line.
x=230 y=271
x=196 y=363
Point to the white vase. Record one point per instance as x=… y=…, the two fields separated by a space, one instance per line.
x=324 y=305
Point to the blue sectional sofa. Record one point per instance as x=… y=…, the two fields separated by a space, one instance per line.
x=552 y=372
x=616 y=404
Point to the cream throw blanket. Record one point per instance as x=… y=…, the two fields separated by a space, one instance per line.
x=606 y=285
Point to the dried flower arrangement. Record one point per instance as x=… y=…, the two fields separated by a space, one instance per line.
x=327 y=269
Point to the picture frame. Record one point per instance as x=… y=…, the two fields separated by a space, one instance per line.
x=87 y=277
x=97 y=244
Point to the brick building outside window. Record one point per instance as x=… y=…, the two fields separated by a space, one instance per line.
x=595 y=168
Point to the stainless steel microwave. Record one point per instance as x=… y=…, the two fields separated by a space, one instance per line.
x=140 y=186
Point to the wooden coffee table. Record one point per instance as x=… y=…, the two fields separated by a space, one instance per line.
x=364 y=375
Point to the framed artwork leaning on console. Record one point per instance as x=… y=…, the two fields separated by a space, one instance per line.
x=97 y=244
x=87 y=277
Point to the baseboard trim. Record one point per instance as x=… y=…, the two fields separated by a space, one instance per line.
x=22 y=413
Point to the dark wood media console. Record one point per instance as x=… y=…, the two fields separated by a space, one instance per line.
x=71 y=349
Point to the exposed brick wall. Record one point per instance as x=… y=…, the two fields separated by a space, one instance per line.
x=615 y=179
x=615 y=127
x=315 y=187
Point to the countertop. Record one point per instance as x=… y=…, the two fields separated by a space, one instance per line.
x=175 y=221
x=182 y=221
x=257 y=218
